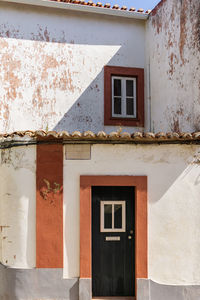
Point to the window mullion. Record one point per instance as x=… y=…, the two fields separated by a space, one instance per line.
x=134 y=98
x=113 y=214
x=112 y=96
x=123 y=97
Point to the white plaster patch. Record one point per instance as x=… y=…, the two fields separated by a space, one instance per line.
x=17 y=195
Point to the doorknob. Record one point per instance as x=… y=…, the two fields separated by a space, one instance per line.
x=131 y=231
x=129 y=237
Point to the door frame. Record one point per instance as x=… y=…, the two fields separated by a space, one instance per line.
x=141 y=236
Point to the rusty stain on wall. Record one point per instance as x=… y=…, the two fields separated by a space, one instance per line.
x=49 y=63
x=48 y=69
x=157 y=8
x=174 y=116
x=58 y=63
x=175 y=125
x=175 y=64
x=172 y=63
x=30 y=68
x=183 y=29
x=188 y=12
x=3 y=226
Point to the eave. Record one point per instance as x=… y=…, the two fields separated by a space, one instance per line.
x=83 y=8
x=21 y=138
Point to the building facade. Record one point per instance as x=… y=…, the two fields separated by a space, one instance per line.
x=99 y=115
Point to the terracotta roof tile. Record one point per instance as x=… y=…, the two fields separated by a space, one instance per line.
x=107 y=5
x=89 y=134
x=99 y=4
x=123 y=8
x=82 y=2
x=100 y=137
x=75 y=1
x=116 y=6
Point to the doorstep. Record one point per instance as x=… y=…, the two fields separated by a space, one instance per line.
x=113 y=298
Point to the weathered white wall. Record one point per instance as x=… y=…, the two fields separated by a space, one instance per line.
x=51 y=71
x=173 y=53
x=1 y=188
x=17 y=198
x=173 y=205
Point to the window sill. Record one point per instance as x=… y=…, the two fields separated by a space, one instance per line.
x=124 y=122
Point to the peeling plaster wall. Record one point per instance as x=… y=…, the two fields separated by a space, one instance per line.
x=1 y=224
x=51 y=71
x=17 y=196
x=173 y=205
x=173 y=53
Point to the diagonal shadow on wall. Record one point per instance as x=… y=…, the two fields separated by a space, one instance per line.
x=53 y=66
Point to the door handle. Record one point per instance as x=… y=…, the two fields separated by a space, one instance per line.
x=129 y=237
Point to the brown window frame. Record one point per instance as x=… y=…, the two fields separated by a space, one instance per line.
x=138 y=73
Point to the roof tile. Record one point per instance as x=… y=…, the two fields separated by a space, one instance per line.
x=107 y=5
x=115 y=136
x=99 y=4
x=123 y=8
x=101 y=135
x=116 y=6
x=89 y=134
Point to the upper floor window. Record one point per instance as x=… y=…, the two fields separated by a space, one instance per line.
x=123 y=96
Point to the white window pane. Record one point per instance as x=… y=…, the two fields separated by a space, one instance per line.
x=129 y=88
x=118 y=216
x=117 y=106
x=107 y=216
x=129 y=106
x=117 y=87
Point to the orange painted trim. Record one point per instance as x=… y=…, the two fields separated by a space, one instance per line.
x=141 y=251
x=49 y=206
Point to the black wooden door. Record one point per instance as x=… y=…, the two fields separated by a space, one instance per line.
x=113 y=253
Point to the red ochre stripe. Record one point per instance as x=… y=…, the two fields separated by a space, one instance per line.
x=49 y=206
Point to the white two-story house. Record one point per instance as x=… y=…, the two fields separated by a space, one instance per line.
x=100 y=151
